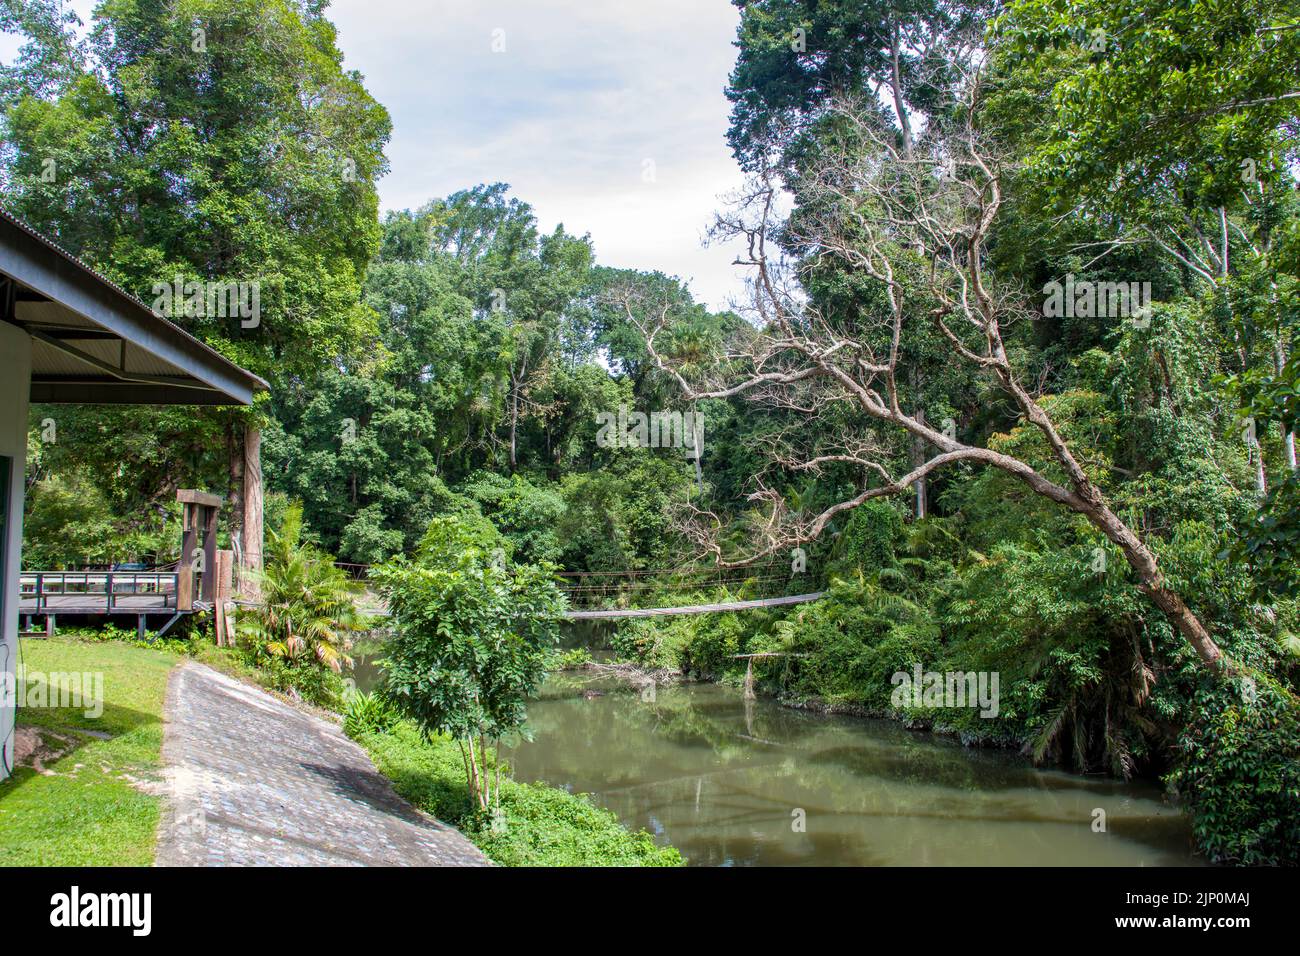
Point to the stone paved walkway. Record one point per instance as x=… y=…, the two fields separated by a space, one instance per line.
x=252 y=781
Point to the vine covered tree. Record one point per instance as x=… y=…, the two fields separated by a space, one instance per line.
x=917 y=221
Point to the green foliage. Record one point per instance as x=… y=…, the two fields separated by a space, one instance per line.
x=172 y=643
x=1239 y=775
x=301 y=632
x=1199 y=89
x=572 y=659
x=545 y=826
x=524 y=514
x=537 y=825
x=619 y=518
x=472 y=633
x=870 y=539
x=368 y=713
x=68 y=523
x=702 y=645
x=200 y=155
x=851 y=643
x=778 y=86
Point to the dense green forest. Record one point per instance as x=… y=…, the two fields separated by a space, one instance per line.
x=1016 y=375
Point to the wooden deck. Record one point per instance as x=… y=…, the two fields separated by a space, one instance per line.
x=97 y=593
x=98 y=605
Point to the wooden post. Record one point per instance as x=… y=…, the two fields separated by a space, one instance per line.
x=252 y=515
x=210 y=553
x=199 y=508
x=185 y=566
x=224 y=580
x=225 y=575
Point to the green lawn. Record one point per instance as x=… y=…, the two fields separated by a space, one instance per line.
x=92 y=810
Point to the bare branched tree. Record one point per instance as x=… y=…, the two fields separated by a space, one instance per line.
x=915 y=217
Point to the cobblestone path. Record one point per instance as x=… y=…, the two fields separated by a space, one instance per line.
x=252 y=781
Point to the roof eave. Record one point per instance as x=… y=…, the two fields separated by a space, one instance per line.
x=51 y=272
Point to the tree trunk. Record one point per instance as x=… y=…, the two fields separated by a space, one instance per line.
x=918 y=458
x=475 y=793
x=1151 y=581
x=1088 y=500
x=1288 y=436
x=514 y=422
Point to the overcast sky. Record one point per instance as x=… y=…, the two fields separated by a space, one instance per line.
x=607 y=116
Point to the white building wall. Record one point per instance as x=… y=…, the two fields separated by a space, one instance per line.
x=15 y=385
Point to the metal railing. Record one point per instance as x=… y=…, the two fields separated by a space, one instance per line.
x=96 y=587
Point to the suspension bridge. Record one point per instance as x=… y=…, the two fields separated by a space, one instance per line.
x=604 y=595
x=591 y=595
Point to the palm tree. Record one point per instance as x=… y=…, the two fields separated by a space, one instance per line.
x=309 y=611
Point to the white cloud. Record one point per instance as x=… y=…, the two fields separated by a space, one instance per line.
x=583 y=95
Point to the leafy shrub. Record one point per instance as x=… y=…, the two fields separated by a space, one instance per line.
x=316 y=685
x=716 y=641
x=654 y=642
x=128 y=635
x=572 y=659
x=1239 y=775
x=368 y=713
x=853 y=642
x=472 y=632
x=871 y=538
x=537 y=826
x=524 y=513
x=546 y=826
x=302 y=631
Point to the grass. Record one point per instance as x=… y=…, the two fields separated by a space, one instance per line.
x=543 y=826
x=91 y=806
x=89 y=809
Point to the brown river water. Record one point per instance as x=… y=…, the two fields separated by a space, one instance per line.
x=731 y=782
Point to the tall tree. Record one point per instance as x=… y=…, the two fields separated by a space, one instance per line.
x=798 y=57
x=919 y=231
x=214 y=141
x=1176 y=126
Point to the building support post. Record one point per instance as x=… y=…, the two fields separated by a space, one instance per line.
x=251 y=565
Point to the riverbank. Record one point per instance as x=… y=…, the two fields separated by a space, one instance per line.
x=909 y=721
x=254 y=781
x=91 y=785
x=540 y=825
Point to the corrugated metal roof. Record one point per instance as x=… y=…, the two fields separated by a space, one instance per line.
x=58 y=320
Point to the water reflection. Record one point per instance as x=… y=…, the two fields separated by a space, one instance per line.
x=720 y=778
